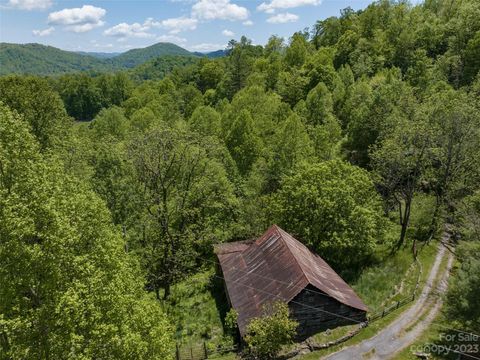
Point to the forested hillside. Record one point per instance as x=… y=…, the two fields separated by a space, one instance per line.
x=45 y=60
x=100 y=55
x=358 y=135
x=158 y=68
x=139 y=56
x=39 y=59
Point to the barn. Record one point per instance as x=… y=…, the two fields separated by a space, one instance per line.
x=278 y=267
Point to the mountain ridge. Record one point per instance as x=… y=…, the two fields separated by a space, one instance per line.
x=39 y=59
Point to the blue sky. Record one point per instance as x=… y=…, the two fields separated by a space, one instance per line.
x=119 y=25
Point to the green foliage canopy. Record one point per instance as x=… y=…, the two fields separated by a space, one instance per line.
x=333 y=208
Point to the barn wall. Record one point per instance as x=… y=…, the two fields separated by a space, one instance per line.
x=315 y=317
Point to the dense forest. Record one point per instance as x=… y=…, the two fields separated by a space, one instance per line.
x=113 y=187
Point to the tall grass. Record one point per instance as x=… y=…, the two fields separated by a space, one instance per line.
x=192 y=306
x=379 y=282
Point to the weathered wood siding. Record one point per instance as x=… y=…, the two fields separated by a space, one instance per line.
x=318 y=316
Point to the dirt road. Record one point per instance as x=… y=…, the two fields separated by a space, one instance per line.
x=404 y=330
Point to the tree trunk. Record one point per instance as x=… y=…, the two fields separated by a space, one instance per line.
x=434 y=223
x=406 y=218
x=166 y=294
x=414 y=249
x=157 y=292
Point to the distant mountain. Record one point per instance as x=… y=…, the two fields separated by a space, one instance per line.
x=99 y=55
x=218 y=54
x=213 y=54
x=47 y=60
x=138 y=56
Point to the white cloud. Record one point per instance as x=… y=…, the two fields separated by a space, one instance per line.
x=207 y=47
x=172 y=39
x=81 y=19
x=124 y=30
x=228 y=33
x=248 y=23
x=30 y=4
x=85 y=27
x=273 y=5
x=282 y=18
x=44 y=32
x=176 y=25
x=218 y=9
x=151 y=23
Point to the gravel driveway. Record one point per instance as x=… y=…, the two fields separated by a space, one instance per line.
x=395 y=336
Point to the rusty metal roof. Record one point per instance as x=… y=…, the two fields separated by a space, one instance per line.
x=276 y=267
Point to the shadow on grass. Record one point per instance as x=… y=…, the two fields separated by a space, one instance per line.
x=217 y=290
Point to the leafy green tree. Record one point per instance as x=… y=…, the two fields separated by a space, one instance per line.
x=292 y=86
x=239 y=64
x=206 y=121
x=472 y=58
x=332 y=207
x=81 y=96
x=110 y=122
x=243 y=142
x=369 y=111
x=297 y=51
x=39 y=105
x=326 y=138
x=291 y=146
x=142 y=119
x=210 y=75
x=267 y=334
x=186 y=204
x=319 y=68
x=454 y=119
x=115 y=88
x=345 y=47
x=463 y=292
x=319 y=105
x=68 y=288
x=113 y=179
x=402 y=161
x=189 y=99
x=420 y=71
x=266 y=108
x=328 y=32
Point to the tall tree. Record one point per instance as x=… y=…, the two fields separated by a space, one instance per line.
x=454 y=118
x=81 y=96
x=401 y=161
x=369 y=109
x=186 y=204
x=243 y=142
x=334 y=208
x=319 y=105
x=40 y=106
x=68 y=288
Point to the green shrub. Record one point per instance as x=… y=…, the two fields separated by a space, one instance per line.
x=421 y=217
x=231 y=321
x=268 y=333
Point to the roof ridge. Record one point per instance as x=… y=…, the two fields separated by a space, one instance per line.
x=279 y=231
